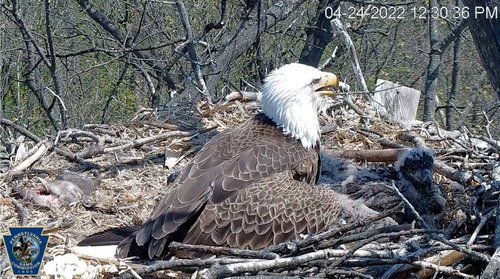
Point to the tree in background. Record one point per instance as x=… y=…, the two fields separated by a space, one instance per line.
x=88 y=61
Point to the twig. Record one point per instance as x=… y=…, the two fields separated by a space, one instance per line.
x=443 y=269
x=20 y=209
x=132 y=271
x=384 y=155
x=238 y=268
x=223 y=251
x=413 y=138
x=191 y=49
x=329 y=60
x=479 y=227
x=472 y=99
x=348 y=273
x=162 y=125
x=408 y=203
x=339 y=29
x=77 y=133
x=68 y=155
x=491 y=142
x=493 y=268
x=497 y=228
x=354 y=107
x=377 y=237
x=23 y=131
x=449 y=172
x=362 y=236
x=445 y=258
x=41 y=149
x=140 y=142
x=472 y=253
x=173 y=264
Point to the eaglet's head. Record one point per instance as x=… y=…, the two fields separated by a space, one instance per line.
x=290 y=98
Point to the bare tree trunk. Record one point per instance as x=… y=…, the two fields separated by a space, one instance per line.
x=432 y=68
x=63 y=112
x=33 y=78
x=485 y=31
x=437 y=46
x=455 y=83
x=319 y=34
x=34 y=82
x=472 y=100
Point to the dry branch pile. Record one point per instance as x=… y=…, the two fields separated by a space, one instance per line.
x=82 y=181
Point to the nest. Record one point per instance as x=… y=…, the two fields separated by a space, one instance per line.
x=127 y=168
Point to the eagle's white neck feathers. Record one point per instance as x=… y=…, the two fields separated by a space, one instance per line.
x=288 y=98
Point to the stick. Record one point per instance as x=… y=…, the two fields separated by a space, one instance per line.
x=443 y=269
x=408 y=203
x=497 y=228
x=41 y=149
x=20 y=209
x=68 y=155
x=222 y=251
x=479 y=227
x=338 y=27
x=493 y=268
x=238 y=268
x=173 y=264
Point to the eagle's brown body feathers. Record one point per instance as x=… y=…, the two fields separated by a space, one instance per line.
x=249 y=187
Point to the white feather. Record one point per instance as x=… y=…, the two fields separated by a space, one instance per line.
x=288 y=98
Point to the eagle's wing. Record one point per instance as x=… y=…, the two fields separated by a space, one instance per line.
x=268 y=212
x=231 y=161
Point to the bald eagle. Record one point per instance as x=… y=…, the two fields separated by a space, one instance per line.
x=250 y=186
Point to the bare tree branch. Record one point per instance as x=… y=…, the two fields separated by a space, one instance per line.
x=195 y=64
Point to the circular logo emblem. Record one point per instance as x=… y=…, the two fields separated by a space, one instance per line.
x=26 y=247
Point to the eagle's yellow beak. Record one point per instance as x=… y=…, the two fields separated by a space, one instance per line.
x=328 y=85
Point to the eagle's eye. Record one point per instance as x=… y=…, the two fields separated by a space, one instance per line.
x=315 y=81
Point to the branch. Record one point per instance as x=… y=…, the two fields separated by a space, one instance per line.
x=238 y=268
x=324 y=236
x=472 y=99
x=408 y=204
x=443 y=269
x=122 y=39
x=21 y=210
x=68 y=155
x=242 y=38
x=23 y=131
x=181 y=263
x=454 y=33
x=191 y=50
x=214 y=250
x=338 y=28
x=492 y=269
x=63 y=112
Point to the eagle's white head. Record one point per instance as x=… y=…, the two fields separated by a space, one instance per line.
x=290 y=98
